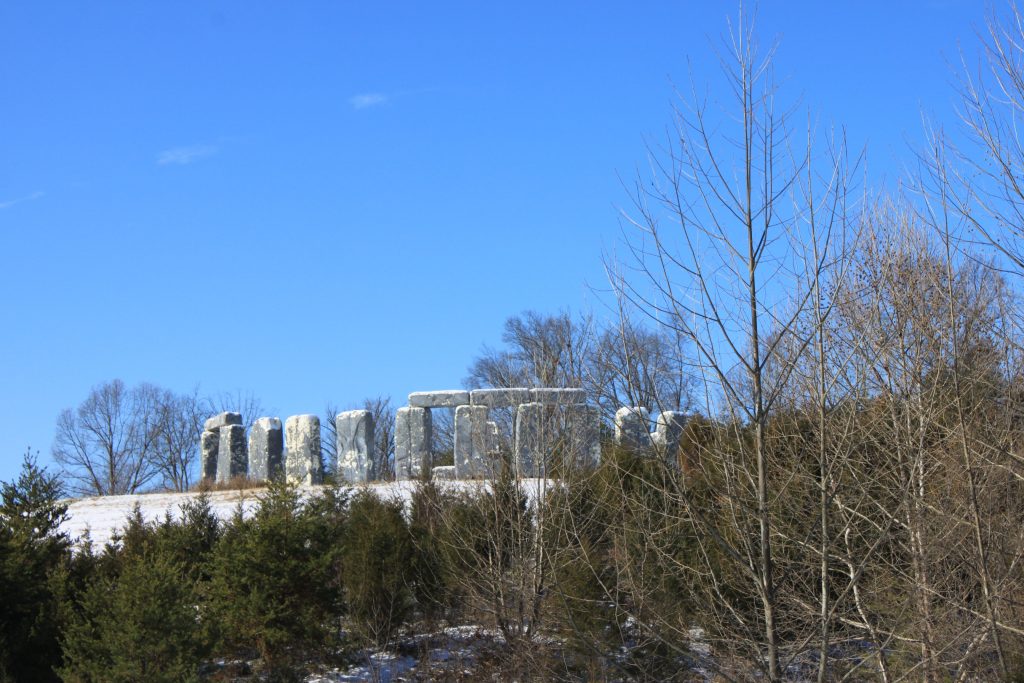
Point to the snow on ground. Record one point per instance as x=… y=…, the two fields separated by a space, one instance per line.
x=105 y=515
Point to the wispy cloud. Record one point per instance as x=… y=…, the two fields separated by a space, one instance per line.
x=27 y=198
x=185 y=155
x=368 y=99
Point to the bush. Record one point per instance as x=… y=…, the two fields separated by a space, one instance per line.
x=141 y=625
x=32 y=548
x=275 y=584
x=378 y=555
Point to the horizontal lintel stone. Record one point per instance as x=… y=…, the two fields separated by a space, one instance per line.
x=499 y=398
x=439 y=399
x=222 y=420
x=558 y=396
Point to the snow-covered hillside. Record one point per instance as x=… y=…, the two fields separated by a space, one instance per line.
x=104 y=515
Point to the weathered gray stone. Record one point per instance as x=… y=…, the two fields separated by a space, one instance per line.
x=443 y=472
x=471 y=442
x=439 y=399
x=231 y=456
x=266 y=448
x=558 y=396
x=631 y=428
x=302 y=450
x=224 y=419
x=209 y=444
x=355 y=435
x=493 y=438
x=667 y=433
x=499 y=398
x=531 y=440
x=413 y=434
x=583 y=435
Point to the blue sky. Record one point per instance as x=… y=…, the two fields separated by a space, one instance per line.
x=326 y=201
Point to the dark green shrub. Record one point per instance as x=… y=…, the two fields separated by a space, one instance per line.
x=32 y=549
x=431 y=582
x=275 y=587
x=141 y=625
x=378 y=552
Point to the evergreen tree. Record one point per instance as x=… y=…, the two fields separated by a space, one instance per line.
x=32 y=547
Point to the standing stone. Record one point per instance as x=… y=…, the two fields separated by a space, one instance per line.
x=668 y=432
x=493 y=438
x=631 y=428
x=266 y=448
x=302 y=450
x=356 y=461
x=530 y=440
x=232 y=459
x=471 y=443
x=209 y=444
x=222 y=420
x=499 y=398
x=583 y=435
x=451 y=398
x=413 y=434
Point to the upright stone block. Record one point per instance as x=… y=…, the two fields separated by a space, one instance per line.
x=222 y=420
x=232 y=459
x=583 y=435
x=355 y=434
x=558 y=396
x=413 y=434
x=493 y=438
x=302 y=450
x=471 y=443
x=209 y=444
x=451 y=398
x=266 y=448
x=668 y=432
x=499 y=398
x=531 y=440
x=631 y=428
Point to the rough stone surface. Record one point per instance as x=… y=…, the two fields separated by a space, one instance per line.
x=413 y=434
x=443 y=472
x=209 y=444
x=499 y=398
x=232 y=459
x=583 y=435
x=493 y=438
x=302 y=450
x=667 y=433
x=558 y=396
x=530 y=440
x=439 y=399
x=631 y=427
x=266 y=448
x=355 y=435
x=471 y=442
x=222 y=420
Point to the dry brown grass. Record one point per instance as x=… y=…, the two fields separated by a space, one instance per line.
x=239 y=483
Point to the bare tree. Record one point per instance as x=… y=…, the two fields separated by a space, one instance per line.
x=718 y=255
x=244 y=402
x=106 y=446
x=176 y=455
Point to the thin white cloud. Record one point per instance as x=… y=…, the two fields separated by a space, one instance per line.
x=185 y=155
x=27 y=198
x=369 y=99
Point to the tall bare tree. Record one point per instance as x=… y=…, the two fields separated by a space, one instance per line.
x=106 y=445
x=718 y=255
